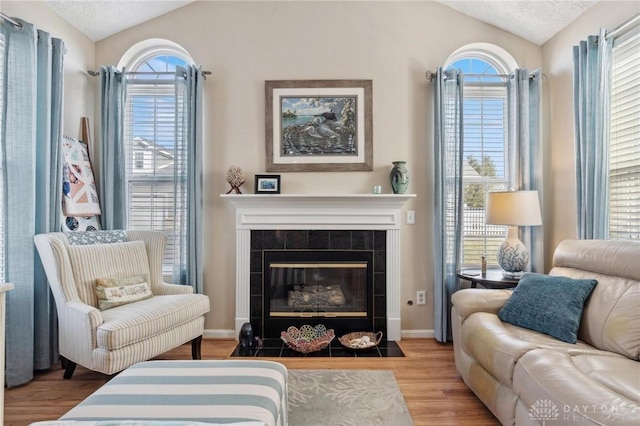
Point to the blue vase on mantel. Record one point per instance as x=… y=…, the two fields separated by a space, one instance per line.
x=399 y=177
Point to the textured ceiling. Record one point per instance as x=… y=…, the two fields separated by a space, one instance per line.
x=534 y=20
x=99 y=19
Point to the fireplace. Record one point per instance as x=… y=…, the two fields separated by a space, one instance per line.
x=344 y=222
x=331 y=277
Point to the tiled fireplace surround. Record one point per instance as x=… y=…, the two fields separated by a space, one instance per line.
x=343 y=216
x=319 y=240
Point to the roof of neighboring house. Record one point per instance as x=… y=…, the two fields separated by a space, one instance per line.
x=158 y=149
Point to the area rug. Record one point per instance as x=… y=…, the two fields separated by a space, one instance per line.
x=346 y=398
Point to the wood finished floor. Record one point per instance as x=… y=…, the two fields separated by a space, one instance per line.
x=432 y=388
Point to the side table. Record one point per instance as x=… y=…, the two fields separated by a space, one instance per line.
x=492 y=279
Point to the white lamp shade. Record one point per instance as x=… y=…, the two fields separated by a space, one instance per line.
x=513 y=208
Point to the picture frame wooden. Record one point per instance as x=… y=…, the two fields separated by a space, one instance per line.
x=267 y=184
x=318 y=125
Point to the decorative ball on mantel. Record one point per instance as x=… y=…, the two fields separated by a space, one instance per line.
x=236 y=178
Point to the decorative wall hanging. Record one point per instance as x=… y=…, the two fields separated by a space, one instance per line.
x=80 y=196
x=318 y=125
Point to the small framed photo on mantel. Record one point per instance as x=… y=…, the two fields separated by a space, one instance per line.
x=267 y=184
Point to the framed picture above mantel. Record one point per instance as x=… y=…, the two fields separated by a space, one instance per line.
x=318 y=125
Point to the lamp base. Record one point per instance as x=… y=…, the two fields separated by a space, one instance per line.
x=512 y=275
x=512 y=255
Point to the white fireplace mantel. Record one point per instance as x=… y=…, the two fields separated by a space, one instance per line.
x=312 y=211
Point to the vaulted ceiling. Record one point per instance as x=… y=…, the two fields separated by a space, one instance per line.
x=534 y=20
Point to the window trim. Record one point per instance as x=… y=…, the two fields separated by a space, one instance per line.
x=496 y=56
x=140 y=52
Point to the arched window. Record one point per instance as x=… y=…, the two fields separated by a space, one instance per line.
x=155 y=197
x=485 y=143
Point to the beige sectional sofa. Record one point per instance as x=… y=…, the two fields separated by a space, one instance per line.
x=525 y=377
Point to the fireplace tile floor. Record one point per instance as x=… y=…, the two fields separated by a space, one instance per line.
x=276 y=348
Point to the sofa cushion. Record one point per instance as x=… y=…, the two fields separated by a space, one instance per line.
x=497 y=346
x=117 y=260
x=113 y=292
x=486 y=339
x=611 y=318
x=139 y=321
x=550 y=305
x=601 y=388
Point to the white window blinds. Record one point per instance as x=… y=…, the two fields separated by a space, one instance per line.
x=484 y=167
x=155 y=169
x=624 y=159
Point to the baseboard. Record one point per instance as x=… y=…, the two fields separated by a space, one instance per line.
x=418 y=334
x=231 y=334
x=219 y=334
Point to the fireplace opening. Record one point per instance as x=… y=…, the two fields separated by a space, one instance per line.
x=329 y=287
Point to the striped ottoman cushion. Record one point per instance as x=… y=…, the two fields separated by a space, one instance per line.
x=222 y=391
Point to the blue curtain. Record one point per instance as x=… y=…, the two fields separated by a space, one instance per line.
x=448 y=194
x=591 y=76
x=112 y=158
x=188 y=172
x=525 y=152
x=31 y=138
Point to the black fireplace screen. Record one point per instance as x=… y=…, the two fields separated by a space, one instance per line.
x=318 y=289
x=318 y=284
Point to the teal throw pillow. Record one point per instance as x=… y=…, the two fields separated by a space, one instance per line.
x=549 y=304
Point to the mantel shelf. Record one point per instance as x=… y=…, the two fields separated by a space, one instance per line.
x=389 y=196
x=263 y=200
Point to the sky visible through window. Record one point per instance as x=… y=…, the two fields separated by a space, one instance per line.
x=159 y=63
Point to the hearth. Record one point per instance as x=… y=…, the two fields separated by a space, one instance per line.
x=276 y=348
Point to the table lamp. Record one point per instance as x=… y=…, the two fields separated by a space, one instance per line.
x=513 y=208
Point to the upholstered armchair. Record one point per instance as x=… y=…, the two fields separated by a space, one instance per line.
x=134 y=316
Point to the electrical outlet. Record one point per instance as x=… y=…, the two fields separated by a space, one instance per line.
x=411 y=217
x=421 y=297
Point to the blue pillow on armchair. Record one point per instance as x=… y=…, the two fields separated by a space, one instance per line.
x=549 y=304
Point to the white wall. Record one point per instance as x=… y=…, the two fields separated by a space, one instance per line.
x=246 y=43
x=560 y=188
x=79 y=88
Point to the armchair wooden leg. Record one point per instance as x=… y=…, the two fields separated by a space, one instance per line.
x=196 y=345
x=69 y=367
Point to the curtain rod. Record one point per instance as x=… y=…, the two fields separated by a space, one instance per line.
x=11 y=21
x=432 y=75
x=96 y=73
x=623 y=28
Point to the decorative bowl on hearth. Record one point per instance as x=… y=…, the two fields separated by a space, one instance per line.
x=359 y=340
x=307 y=339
